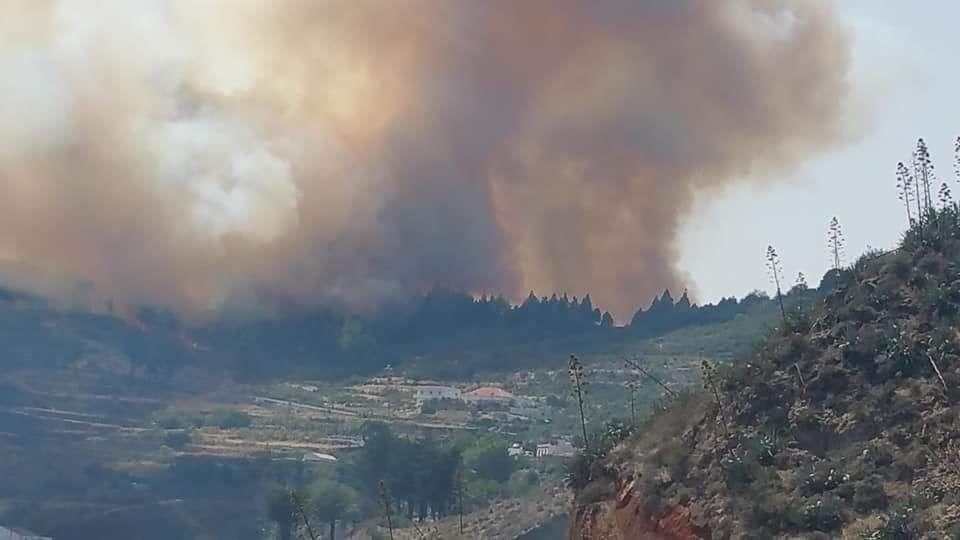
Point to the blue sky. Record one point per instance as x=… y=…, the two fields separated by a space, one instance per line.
x=907 y=82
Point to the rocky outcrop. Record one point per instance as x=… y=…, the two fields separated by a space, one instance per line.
x=628 y=518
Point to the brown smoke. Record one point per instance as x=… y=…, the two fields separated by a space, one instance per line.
x=198 y=155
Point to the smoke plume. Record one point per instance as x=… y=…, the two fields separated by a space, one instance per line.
x=205 y=154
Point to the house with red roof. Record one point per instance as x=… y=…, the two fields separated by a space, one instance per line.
x=490 y=394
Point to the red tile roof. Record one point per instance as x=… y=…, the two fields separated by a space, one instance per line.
x=491 y=392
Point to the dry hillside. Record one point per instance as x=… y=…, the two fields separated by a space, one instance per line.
x=843 y=423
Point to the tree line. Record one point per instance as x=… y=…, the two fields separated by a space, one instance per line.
x=401 y=479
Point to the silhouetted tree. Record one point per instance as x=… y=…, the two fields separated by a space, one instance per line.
x=633 y=386
x=835 y=242
x=711 y=382
x=683 y=305
x=905 y=190
x=489 y=458
x=332 y=502
x=776 y=276
x=385 y=501
x=301 y=505
x=282 y=511
x=801 y=283
x=578 y=384
x=460 y=496
x=923 y=173
x=944 y=196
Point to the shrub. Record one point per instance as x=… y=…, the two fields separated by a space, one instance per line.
x=230 y=419
x=736 y=470
x=764 y=448
x=489 y=458
x=613 y=433
x=778 y=512
x=900 y=265
x=868 y=257
x=522 y=481
x=578 y=472
x=897 y=525
x=869 y=495
x=821 y=478
x=823 y=513
x=901 y=356
x=595 y=492
x=177 y=439
x=586 y=468
x=172 y=420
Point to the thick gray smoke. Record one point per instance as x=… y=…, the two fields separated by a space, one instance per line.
x=204 y=154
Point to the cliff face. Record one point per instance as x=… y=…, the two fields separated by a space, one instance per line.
x=628 y=518
x=843 y=424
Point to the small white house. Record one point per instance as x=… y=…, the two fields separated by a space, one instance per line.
x=427 y=393
x=561 y=449
x=317 y=456
x=7 y=533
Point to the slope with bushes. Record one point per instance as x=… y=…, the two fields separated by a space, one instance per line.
x=844 y=423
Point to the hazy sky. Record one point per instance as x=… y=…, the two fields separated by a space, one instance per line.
x=908 y=84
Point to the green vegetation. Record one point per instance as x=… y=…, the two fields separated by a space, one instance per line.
x=420 y=477
x=332 y=502
x=223 y=419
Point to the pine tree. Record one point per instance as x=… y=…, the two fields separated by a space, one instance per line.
x=667 y=298
x=684 y=304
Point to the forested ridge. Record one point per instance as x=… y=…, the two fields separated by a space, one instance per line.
x=328 y=342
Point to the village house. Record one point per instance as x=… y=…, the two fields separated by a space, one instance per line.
x=490 y=394
x=12 y=533
x=429 y=392
x=561 y=449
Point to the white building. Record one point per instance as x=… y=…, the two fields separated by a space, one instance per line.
x=527 y=408
x=20 y=534
x=561 y=449
x=427 y=393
